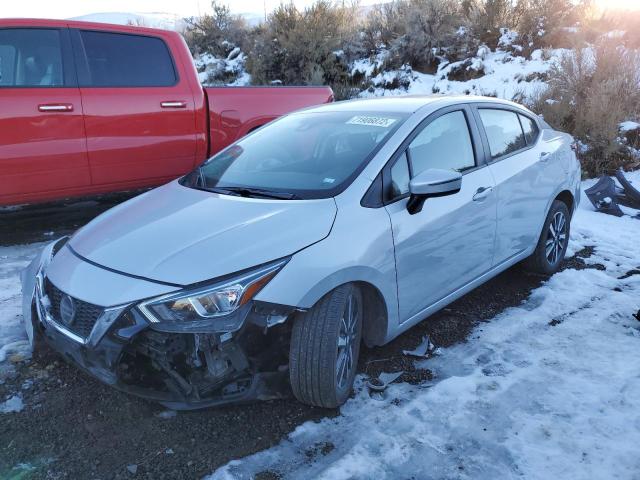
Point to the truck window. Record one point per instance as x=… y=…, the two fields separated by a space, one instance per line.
x=30 y=57
x=123 y=60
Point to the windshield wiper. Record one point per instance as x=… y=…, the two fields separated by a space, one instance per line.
x=254 y=192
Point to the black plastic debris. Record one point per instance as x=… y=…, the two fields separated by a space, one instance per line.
x=603 y=196
x=606 y=196
x=630 y=195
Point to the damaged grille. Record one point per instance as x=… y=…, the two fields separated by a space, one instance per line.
x=85 y=314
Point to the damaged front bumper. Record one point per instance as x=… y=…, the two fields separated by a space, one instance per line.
x=181 y=370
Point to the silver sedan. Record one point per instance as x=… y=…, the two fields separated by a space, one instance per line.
x=270 y=263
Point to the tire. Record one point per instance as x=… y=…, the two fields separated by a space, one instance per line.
x=551 y=247
x=323 y=342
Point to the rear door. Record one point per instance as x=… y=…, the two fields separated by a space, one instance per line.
x=139 y=113
x=450 y=242
x=523 y=183
x=42 y=141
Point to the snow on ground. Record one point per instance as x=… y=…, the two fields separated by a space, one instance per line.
x=12 y=404
x=629 y=126
x=212 y=70
x=549 y=389
x=500 y=74
x=13 y=339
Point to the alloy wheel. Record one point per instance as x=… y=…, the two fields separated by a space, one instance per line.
x=556 y=238
x=347 y=342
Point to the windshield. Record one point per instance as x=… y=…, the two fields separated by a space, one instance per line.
x=303 y=155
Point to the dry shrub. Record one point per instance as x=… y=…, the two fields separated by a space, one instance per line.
x=540 y=23
x=303 y=47
x=416 y=32
x=591 y=91
x=214 y=33
x=487 y=17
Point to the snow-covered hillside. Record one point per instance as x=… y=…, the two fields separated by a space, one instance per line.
x=165 y=21
x=545 y=390
x=492 y=73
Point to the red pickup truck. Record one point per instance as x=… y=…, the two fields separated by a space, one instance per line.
x=89 y=108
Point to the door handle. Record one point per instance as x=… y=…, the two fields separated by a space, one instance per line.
x=544 y=156
x=173 y=104
x=482 y=193
x=55 y=107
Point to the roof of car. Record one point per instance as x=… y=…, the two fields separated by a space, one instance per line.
x=404 y=103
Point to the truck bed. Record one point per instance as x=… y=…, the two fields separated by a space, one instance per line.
x=235 y=111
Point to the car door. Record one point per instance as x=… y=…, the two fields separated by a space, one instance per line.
x=450 y=242
x=523 y=184
x=139 y=113
x=42 y=138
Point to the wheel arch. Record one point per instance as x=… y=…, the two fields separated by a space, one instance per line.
x=379 y=300
x=566 y=197
x=375 y=318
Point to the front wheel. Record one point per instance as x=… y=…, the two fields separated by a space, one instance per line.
x=553 y=241
x=325 y=344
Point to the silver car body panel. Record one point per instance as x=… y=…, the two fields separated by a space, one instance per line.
x=182 y=236
x=99 y=286
x=445 y=246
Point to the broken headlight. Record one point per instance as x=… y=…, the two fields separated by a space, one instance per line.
x=211 y=301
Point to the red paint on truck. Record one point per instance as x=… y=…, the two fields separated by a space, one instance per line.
x=89 y=108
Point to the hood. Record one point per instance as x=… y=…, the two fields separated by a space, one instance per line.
x=181 y=235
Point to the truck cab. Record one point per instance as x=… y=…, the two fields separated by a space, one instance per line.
x=91 y=108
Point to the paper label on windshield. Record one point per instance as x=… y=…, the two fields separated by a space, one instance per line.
x=371 y=121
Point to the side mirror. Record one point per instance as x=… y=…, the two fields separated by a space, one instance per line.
x=433 y=182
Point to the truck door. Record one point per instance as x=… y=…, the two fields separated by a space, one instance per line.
x=42 y=142
x=139 y=113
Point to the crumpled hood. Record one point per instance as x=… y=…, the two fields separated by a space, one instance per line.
x=181 y=235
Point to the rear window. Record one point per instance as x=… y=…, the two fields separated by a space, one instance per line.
x=123 y=60
x=30 y=57
x=503 y=131
x=530 y=129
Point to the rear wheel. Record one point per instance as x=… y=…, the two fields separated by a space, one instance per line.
x=325 y=344
x=553 y=241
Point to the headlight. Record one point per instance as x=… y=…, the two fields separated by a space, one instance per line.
x=211 y=301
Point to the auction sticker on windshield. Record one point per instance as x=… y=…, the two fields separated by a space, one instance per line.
x=371 y=121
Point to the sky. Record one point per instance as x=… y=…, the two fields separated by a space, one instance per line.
x=185 y=8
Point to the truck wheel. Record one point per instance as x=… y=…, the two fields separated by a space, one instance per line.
x=552 y=245
x=325 y=344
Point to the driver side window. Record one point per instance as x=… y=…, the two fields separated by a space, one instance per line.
x=444 y=143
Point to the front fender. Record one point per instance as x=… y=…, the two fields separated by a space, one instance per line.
x=359 y=248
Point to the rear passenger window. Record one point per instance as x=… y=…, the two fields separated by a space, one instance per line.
x=30 y=57
x=122 y=60
x=503 y=131
x=445 y=143
x=530 y=129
